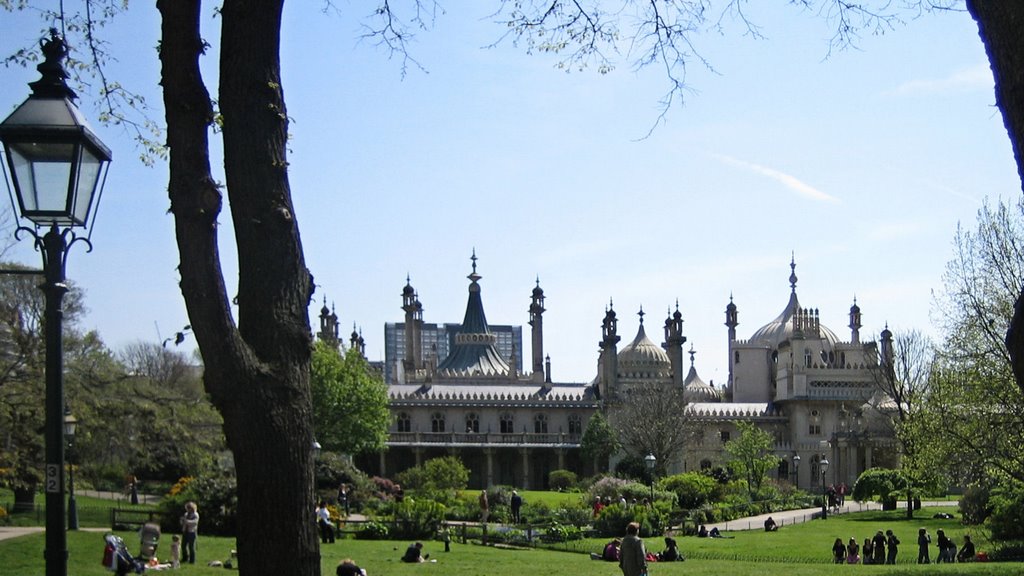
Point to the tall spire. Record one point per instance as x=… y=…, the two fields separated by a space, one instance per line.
x=792 y=272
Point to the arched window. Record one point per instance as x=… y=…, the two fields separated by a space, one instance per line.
x=437 y=422
x=575 y=424
x=736 y=357
x=783 y=469
x=540 y=424
x=705 y=464
x=472 y=423
x=507 y=424
x=404 y=422
x=807 y=357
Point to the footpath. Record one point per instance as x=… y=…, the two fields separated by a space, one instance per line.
x=790 y=517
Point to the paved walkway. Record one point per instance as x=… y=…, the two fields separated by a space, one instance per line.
x=790 y=517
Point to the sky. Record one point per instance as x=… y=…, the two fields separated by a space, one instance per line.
x=858 y=165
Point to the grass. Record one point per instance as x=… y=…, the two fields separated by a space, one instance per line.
x=798 y=550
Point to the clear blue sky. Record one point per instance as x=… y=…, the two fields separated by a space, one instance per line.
x=861 y=164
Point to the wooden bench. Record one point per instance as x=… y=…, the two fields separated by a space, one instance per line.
x=125 y=519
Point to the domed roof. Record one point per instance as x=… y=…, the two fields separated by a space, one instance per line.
x=642 y=358
x=695 y=389
x=781 y=328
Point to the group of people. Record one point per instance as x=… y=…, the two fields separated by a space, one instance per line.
x=947 y=548
x=836 y=496
x=879 y=549
x=625 y=551
x=602 y=503
x=883 y=548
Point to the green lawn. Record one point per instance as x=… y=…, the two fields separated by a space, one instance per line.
x=798 y=550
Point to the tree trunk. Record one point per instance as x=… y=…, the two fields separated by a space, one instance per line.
x=257 y=373
x=1001 y=27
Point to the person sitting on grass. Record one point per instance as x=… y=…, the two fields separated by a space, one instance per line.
x=702 y=532
x=413 y=553
x=671 y=552
x=966 y=553
x=770 y=525
x=349 y=568
x=838 y=551
x=610 y=552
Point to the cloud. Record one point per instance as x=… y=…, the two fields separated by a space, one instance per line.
x=978 y=77
x=789 y=181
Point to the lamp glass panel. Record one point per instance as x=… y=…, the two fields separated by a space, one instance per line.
x=88 y=177
x=43 y=174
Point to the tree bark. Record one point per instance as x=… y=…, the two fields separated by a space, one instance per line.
x=1001 y=28
x=256 y=372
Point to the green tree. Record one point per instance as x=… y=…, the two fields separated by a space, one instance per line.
x=446 y=474
x=350 y=402
x=884 y=484
x=599 y=442
x=751 y=455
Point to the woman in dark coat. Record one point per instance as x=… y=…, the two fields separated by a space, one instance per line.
x=878 y=550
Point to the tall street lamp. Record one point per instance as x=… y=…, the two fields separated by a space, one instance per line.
x=651 y=461
x=57 y=167
x=796 y=470
x=70 y=426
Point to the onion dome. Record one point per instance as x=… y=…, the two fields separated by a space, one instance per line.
x=642 y=358
x=782 y=327
x=695 y=389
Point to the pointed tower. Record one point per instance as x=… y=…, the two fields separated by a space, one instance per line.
x=328 y=325
x=855 y=322
x=537 y=332
x=356 y=341
x=609 y=352
x=474 y=353
x=887 y=357
x=674 y=340
x=413 y=326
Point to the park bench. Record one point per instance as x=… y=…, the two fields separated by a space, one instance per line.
x=131 y=519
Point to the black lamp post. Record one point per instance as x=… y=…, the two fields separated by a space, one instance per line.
x=824 y=493
x=70 y=426
x=796 y=470
x=651 y=461
x=57 y=168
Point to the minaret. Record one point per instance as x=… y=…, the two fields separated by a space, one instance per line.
x=887 y=357
x=674 y=345
x=547 y=369
x=731 y=319
x=537 y=332
x=413 y=321
x=328 y=325
x=855 y=322
x=609 y=352
x=356 y=341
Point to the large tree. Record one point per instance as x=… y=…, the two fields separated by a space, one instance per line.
x=752 y=455
x=350 y=402
x=257 y=371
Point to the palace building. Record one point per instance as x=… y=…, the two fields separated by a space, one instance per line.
x=817 y=394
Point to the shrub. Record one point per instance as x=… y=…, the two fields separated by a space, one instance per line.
x=1007 y=519
x=447 y=473
x=613 y=519
x=561 y=480
x=373 y=531
x=692 y=489
x=216 y=498
x=417 y=519
x=974 y=505
x=607 y=487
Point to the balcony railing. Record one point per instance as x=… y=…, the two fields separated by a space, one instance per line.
x=484 y=439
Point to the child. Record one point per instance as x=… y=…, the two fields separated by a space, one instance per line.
x=175 y=551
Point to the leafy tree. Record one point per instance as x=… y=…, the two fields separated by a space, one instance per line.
x=887 y=485
x=350 y=402
x=599 y=442
x=751 y=455
x=653 y=420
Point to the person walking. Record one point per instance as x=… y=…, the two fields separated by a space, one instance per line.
x=517 y=504
x=893 y=543
x=189 y=532
x=632 y=554
x=485 y=509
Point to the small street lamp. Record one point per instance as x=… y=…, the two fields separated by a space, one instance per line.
x=796 y=470
x=57 y=167
x=70 y=426
x=651 y=461
x=824 y=494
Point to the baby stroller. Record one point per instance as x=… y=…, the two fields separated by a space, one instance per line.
x=119 y=560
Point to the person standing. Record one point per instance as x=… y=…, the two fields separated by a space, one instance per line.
x=517 y=504
x=485 y=509
x=632 y=554
x=323 y=520
x=189 y=531
x=893 y=543
x=923 y=540
x=878 y=548
x=343 y=498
